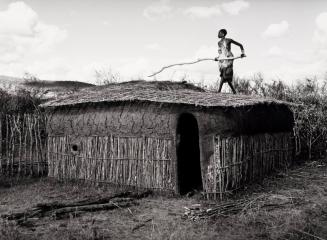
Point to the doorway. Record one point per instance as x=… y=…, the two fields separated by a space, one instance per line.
x=188 y=154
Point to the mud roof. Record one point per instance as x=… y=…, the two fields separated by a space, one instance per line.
x=169 y=92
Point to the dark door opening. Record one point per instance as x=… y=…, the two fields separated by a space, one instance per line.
x=188 y=154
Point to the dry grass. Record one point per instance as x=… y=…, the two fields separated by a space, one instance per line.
x=159 y=217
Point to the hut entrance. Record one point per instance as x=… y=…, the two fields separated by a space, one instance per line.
x=188 y=154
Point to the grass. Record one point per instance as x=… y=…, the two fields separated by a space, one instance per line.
x=160 y=216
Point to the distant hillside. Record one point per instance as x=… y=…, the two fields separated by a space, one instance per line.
x=10 y=83
x=44 y=88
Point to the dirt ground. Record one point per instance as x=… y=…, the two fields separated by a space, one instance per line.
x=292 y=205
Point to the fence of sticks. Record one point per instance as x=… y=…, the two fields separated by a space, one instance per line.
x=22 y=145
x=241 y=159
x=142 y=162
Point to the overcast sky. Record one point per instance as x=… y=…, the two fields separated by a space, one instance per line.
x=69 y=39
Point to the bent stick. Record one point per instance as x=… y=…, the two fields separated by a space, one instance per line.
x=188 y=63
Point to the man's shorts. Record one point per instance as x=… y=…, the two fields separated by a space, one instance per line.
x=226 y=73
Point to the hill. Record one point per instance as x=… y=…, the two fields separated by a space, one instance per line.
x=44 y=88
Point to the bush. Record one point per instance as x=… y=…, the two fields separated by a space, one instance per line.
x=22 y=101
x=309 y=108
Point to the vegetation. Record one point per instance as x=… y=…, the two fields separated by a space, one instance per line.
x=22 y=101
x=309 y=105
x=106 y=76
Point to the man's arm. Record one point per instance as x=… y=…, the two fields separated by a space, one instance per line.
x=240 y=45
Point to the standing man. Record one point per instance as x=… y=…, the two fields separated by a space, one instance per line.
x=226 y=66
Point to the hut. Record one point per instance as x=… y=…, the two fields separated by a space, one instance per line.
x=167 y=136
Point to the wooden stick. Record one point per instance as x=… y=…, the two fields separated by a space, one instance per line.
x=189 y=63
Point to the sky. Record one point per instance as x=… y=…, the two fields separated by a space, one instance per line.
x=71 y=39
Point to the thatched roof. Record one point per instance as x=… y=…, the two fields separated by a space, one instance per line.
x=159 y=92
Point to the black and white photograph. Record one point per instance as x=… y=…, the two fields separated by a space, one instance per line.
x=163 y=119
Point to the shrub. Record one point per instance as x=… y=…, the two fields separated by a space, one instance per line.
x=309 y=108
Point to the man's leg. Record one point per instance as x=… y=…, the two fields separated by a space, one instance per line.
x=220 y=85
x=232 y=87
x=221 y=78
x=229 y=75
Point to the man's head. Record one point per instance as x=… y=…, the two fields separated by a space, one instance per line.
x=222 y=33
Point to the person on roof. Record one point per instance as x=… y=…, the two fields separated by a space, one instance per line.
x=226 y=66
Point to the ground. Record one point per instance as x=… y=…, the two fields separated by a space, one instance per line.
x=288 y=205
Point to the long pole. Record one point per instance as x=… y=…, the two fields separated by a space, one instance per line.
x=189 y=63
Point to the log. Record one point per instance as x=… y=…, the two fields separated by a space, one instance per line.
x=101 y=200
x=60 y=210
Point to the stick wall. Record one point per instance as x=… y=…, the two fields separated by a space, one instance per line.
x=134 y=161
x=242 y=159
